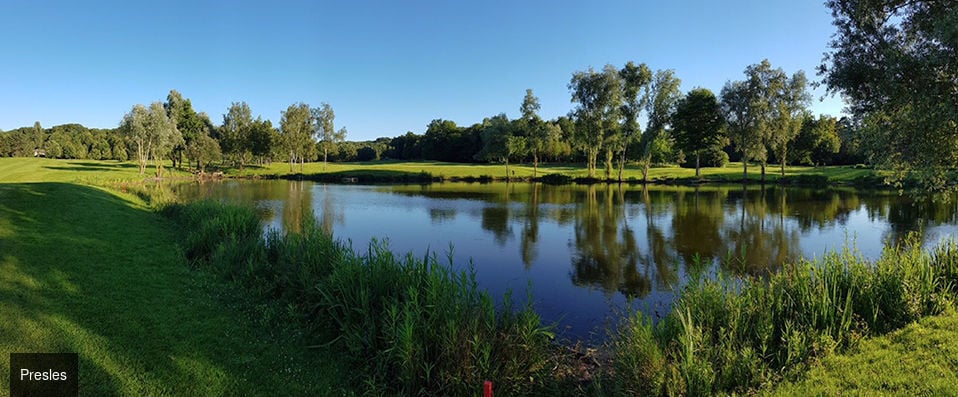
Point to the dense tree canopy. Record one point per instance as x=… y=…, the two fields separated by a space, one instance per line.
x=896 y=64
x=698 y=124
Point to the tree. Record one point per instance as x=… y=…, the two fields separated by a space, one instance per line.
x=151 y=132
x=817 y=141
x=261 y=140
x=204 y=150
x=235 y=133
x=635 y=79
x=325 y=131
x=598 y=97
x=187 y=121
x=536 y=136
x=499 y=141
x=38 y=136
x=442 y=141
x=895 y=64
x=788 y=105
x=134 y=127
x=163 y=135
x=661 y=96
x=698 y=124
x=296 y=127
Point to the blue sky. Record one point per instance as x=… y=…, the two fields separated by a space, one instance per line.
x=385 y=67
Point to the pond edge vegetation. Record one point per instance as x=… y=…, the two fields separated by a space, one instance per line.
x=413 y=325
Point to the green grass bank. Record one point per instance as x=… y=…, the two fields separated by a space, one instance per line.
x=96 y=272
x=206 y=304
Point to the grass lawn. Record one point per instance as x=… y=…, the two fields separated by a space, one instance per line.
x=92 y=172
x=732 y=172
x=89 y=271
x=918 y=360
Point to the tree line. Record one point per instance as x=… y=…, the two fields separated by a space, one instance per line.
x=763 y=118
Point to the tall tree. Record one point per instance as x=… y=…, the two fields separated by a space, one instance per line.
x=895 y=62
x=163 y=135
x=188 y=123
x=37 y=137
x=698 y=124
x=296 y=127
x=325 y=130
x=789 y=105
x=261 y=140
x=134 y=127
x=742 y=125
x=661 y=96
x=235 y=133
x=635 y=79
x=536 y=132
x=598 y=98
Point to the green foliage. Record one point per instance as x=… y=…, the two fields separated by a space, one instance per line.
x=598 y=99
x=894 y=63
x=325 y=131
x=817 y=141
x=732 y=336
x=235 y=133
x=698 y=124
x=409 y=325
x=661 y=96
x=296 y=129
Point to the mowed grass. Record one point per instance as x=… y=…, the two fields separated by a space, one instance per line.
x=918 y=360
x=731 y=172
x=89 y=271
x=95 y=172
x=99 y=172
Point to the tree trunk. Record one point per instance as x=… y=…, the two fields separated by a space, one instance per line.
x=646 y=162
x=622 y=157
x=783 y=163
x=291 y=158
x=608 y=163
x=507 y=169
x=535 y=164
x=698 y=174
x=325 y=154
x=763 y=172
x=744 y=166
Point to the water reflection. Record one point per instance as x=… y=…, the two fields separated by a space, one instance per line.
x=588 y=249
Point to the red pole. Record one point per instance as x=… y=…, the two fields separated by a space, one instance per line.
x=487 y=388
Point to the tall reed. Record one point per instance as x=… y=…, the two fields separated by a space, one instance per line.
x=410 y=325
x=732 y=335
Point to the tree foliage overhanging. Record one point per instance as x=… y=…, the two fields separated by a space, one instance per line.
x=896 y=64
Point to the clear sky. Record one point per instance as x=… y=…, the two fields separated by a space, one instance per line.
x=386 y=67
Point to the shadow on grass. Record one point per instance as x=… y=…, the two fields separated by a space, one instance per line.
x=82 y=270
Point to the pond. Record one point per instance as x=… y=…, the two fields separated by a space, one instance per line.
x=592 y=252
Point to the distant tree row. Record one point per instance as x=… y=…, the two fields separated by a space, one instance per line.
x=173 y=130
x=762 y=118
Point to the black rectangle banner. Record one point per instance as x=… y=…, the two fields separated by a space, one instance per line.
x=44 y=374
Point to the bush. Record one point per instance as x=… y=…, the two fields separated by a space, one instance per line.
x=555 y=179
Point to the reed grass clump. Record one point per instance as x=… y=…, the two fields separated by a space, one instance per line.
x=734 y=335
x=410 y=325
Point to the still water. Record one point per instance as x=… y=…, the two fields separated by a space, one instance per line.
x=592 y=251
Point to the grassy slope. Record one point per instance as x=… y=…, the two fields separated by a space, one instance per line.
x=88 y=271
x=732 y=172
x=919 y=360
